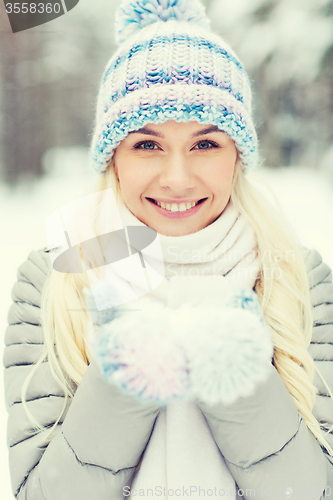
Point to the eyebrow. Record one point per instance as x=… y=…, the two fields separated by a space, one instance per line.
x=147 y=131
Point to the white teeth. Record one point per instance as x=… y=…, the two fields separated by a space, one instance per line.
x=174 y=207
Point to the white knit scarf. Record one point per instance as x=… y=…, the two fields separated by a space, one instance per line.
x=181 y=456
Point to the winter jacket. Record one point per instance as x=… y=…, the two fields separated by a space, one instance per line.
x=103 y=432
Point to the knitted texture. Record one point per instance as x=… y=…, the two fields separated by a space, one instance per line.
x=135 y=15
x=216 y=353
x=170 y=66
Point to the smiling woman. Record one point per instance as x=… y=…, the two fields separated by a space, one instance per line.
x=210 y=381
x=175 y=185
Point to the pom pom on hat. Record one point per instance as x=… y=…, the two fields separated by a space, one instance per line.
x=133 y=15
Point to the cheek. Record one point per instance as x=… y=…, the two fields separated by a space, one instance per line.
x=221 y=177
x=133 y=181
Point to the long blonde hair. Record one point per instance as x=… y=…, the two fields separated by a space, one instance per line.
x=282 y=288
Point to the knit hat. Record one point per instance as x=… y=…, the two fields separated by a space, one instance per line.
x=170 y=66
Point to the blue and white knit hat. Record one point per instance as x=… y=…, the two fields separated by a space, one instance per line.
x=170 y=66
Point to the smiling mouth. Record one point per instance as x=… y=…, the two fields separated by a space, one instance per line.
x=175 y=207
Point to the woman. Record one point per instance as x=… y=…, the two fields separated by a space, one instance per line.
x=186 y=387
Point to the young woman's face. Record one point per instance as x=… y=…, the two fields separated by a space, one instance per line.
x=176 y=165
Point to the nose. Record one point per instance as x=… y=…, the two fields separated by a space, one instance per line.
x=177 y=173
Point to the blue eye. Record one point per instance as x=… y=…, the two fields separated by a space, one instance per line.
x=150 y=145
x=207 y=145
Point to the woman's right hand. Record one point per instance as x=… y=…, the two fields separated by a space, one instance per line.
x=135 y=348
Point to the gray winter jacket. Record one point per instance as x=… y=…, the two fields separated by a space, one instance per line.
x=266 y=444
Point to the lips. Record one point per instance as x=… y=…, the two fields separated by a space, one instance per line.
x=175 y=211
x=176 y=202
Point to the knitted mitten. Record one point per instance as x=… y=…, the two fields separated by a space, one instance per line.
x=216 y=351
x=136 y=349
x=228 y=347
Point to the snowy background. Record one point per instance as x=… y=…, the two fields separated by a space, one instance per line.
x=48 y=81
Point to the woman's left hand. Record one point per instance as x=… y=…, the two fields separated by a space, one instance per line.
x=228 y=348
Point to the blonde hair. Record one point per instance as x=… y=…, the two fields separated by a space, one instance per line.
x=282 y=288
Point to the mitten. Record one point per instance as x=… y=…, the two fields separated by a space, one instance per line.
x=228 y=347
x=216 y=352
x=136 y=349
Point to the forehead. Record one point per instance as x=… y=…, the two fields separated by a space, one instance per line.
x=193 y=128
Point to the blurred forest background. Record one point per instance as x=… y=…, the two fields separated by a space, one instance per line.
x=49 y=76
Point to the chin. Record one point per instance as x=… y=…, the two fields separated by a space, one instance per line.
x=178 y=231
